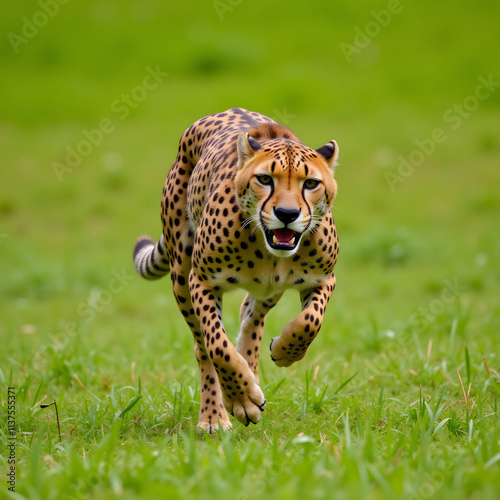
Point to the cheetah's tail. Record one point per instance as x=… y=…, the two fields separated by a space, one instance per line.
x=150 y=260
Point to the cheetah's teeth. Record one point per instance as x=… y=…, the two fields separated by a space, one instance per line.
x=291 y=242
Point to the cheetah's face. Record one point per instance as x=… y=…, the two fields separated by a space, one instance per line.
x=285 y=189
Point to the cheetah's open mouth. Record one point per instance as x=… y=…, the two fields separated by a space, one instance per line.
x=283 y=238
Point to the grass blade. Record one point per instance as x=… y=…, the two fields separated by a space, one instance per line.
x=440 y=425
x=492 y=461
x=130 y=405
x=380 y=401
x=452 y=337
x=319 y=400
x=467 y=364
x=345 y=383
x=35 y=399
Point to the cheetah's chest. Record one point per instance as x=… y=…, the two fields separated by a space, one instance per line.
x=267 y=279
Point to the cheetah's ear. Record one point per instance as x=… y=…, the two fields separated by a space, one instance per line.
x=247 y=146
x=330 y=152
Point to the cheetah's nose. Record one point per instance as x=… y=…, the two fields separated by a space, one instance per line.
x=286 y=215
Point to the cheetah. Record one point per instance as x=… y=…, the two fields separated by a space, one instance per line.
x=245 y=205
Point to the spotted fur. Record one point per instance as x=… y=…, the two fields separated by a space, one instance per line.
x=245 y=205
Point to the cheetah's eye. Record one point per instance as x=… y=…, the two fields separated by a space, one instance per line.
x=265 y=179
x=310 y=183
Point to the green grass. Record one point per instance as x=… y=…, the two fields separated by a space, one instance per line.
x=398 y=396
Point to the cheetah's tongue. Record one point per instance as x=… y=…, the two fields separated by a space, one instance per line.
x=284 y=236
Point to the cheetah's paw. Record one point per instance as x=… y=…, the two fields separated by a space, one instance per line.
x=282 y=356
x=209 y=427
x=247 y=406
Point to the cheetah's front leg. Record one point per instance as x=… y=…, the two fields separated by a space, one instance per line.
x=252 y=318
x=296 y=337
x=241 y=396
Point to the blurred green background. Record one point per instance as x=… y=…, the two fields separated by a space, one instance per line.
x=379 y=77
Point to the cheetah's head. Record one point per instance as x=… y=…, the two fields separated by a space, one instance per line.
x=285 y=188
